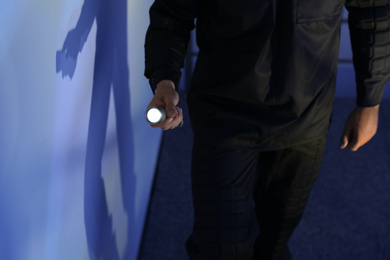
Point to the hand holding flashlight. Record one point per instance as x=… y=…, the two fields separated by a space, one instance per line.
x=162 y=111
x=156 y=115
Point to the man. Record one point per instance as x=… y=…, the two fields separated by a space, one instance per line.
x=260 y=104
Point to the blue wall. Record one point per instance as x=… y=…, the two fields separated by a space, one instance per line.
x=76 y=157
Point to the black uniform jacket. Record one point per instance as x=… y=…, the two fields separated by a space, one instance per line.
x=266 y=70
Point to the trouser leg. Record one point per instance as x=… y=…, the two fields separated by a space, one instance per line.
x=281 y=193
x=222 y=185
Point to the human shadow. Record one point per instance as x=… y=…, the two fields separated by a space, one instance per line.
x=110 y=69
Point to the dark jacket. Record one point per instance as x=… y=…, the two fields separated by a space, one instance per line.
x=266 y=70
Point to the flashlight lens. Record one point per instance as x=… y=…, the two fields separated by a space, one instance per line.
x=154 y=115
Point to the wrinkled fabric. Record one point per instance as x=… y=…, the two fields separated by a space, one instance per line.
x=225 y=185
x=266 y=71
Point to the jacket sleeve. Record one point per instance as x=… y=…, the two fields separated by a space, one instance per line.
x=167 y=38
x=370 y=39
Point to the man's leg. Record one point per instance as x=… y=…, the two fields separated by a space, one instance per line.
x=282 y=191
x=222 y=185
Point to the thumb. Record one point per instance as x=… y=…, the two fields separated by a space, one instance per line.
x=170 y=109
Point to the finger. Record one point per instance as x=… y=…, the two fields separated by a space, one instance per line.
x=178 y=119
x=170 y=105
x=358 y=143
x=170 y=109
x=353 y=146
x=353 y=142
x=344 y=141
x=171 y=123
x=165 y=125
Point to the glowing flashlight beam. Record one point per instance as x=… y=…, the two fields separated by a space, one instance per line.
x=155 y=115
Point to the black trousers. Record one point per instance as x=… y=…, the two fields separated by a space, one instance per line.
x=248 y=203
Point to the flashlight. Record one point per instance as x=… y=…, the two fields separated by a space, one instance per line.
x=155 y=115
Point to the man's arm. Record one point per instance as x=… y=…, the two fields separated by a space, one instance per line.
x=165 y=47
x=167 y=97
x=369 y=23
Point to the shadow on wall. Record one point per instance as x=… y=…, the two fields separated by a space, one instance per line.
x=110 y=69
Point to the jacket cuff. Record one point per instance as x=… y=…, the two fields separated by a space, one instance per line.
x=165 y=73
x=370 y=92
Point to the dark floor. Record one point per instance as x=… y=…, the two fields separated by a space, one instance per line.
x=347 y=217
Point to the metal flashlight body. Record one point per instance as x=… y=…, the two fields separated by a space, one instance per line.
x=155 y=115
